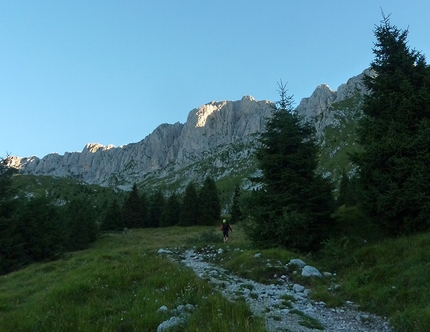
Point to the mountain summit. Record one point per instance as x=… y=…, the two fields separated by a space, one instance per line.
x=217 y=139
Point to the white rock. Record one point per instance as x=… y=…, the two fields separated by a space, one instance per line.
x=297 y=262
x=310 y=271
x=298 y=288
x=164 y=251
x=167 y=324
x=162 y=308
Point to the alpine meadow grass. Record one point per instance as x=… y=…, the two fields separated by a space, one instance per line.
x=117 y=285
x=120 y=283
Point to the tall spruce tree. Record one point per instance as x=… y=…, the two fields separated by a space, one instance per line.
x=210 y=205
x=156 y=208
x=190 y=207
x=293 y=207
x=80 y=218
x=235 y=211
x=113 y=218
x=132 y=209
x=11 y=241
x=393 y=168
x=144 y=209
x=42 y=229
x=347 y=194
x=171 y=212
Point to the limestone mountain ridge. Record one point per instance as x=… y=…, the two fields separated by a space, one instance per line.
x=217 y=139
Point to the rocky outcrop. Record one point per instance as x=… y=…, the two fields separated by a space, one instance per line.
x=208 y=128
x=323 y=96
x=221 y=132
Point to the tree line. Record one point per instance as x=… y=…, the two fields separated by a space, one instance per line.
x=197 y=206
x=38 y=229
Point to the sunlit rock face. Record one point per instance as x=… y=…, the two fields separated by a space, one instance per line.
x=323 y=96
x=207 y=129
x=222 y=132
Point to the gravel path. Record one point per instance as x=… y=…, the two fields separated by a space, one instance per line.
x=284 y=306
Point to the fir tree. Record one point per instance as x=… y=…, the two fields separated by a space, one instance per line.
x=113 y=218
x=41 y=229
x=171 y=212
x=156 y=207
x=190 y=207
x=293 y=207
x=132 y=210
x=395 y=135
x=347 y=194
x=210 y=206
x=11 y=241
x=235 y=212
x=80 y=219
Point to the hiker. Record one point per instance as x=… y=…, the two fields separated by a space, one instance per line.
x=225 y=228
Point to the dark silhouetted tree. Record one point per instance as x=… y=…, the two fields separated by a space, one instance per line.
x=42 y=229
x=156 y=207
x=11 y=241
x=347 y=194
x=113 y=218
x=80 y=217
x=235 y=212
x=171 y=211
x=210 y=206
x=294 y=205
x=132 y=209
x=394 y=132
x=190 y=207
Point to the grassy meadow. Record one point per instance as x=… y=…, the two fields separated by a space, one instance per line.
x=117 y=285
x=120 y=283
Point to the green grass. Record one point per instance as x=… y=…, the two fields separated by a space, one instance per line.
x=118 y=285
x=392 y=279
x=308 y=321
x=121 y=282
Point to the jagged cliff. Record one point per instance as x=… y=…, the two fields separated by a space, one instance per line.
x=208 y=130
x=217 y=139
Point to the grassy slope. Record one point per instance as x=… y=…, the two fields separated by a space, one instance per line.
x=119 y=284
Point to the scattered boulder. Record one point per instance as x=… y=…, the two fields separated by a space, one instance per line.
x=297 y=262
x=310 y=271
x=298 y=288
x=164 y=251
x=162 y=309
x=171 y=322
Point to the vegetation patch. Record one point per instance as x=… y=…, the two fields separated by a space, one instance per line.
x=308 y=321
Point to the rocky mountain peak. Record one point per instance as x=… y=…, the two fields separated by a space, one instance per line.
x=323 y=96
x=217 y=139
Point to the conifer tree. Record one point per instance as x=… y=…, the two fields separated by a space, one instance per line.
x=41 y=229
x=347 y=195
x=293 y=207
x=156 y=207
x=80 y=219
x=11 y=241
x=210 y=205
x=171 y=212
x=113 y=218
x=395 y=135
x=190 y=207
x=132 y=210
x=144 y=209
x=235 y=212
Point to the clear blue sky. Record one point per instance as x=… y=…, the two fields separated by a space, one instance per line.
x=109 y=72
